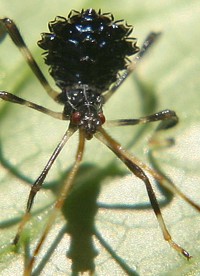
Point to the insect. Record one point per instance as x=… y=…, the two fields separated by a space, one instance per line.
x=88 y=56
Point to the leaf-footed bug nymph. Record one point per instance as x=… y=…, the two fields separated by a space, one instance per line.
x=88 y=55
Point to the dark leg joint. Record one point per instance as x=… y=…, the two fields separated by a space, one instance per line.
x=168 y=119
x=135 y=169
x=11 y=28
x=11 y=98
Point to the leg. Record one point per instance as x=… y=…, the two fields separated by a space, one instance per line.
x=38 y=183
x=168 y=118
x=14 y=99
x=135 y=167
x=60 y=201
x=48 y=254
x=151 y=38
x=10 y=28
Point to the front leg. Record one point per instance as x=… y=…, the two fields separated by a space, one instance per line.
x=6 y=96
x=7 y=26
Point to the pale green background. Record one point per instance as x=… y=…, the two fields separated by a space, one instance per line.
x=170 y=73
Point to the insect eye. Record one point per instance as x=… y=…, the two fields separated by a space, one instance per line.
x=76 y=117
x=102 y=118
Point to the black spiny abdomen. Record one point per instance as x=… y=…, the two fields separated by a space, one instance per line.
x=87 y=48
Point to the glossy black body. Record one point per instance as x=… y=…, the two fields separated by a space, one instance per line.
x=85 y=53
x=87 y=48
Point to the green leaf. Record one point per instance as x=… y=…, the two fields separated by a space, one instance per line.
x=168 y=77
